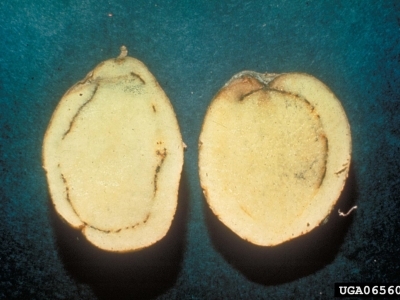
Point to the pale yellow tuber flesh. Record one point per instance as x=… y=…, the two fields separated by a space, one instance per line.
x=113 y=155
x=274 y=153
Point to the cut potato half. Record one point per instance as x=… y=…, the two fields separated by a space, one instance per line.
x=113 y=156
x=274 y=154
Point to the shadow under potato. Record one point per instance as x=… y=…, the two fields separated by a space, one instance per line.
x=137 y=275
x=291 y=260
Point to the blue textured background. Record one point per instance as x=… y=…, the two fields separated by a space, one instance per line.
x=193 y=48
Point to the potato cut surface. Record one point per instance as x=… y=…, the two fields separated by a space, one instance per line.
x=266 y=166
x=113 y=155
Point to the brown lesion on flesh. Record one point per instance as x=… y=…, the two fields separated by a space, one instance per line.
x=79 y=110
x=68 y=197
x=240 y=87
x=147 y=217
x=243 y=96
x=342 y=170
x=121 y=229
x=309 y=105
x=245 y=211
x=325 y=140
x=66 y=189
x=154 y=108
x=162 y=154
x=138 y=77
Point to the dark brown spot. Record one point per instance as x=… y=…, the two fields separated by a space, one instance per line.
x=79 y=110
x=242 y=96
x=163 y=155
x=147 y=217
x=245 y=211
x=138 y=76
x=341 y=171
